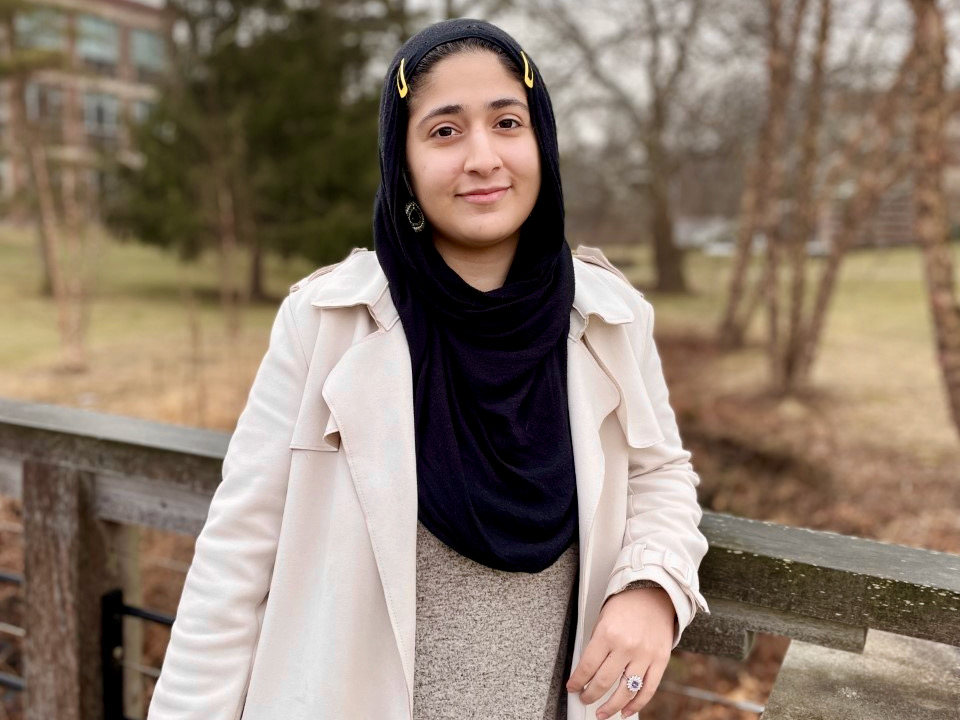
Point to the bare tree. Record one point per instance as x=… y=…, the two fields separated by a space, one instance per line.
x=654 y=39
x=867 y=163
x=873 y=161
x=930 y=108
x=61 y=221
x=785 y=352
x=759 y=208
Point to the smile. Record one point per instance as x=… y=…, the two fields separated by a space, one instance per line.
x=484 y=196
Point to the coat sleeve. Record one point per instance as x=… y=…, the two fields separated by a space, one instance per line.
x=213 y=641
x=662 y=541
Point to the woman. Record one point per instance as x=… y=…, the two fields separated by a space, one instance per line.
x=456 y=449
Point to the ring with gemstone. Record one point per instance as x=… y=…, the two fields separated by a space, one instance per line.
x=634 y=682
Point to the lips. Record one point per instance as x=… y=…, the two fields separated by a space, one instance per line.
x=484 y=196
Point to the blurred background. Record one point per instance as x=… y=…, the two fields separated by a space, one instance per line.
x=780 y=178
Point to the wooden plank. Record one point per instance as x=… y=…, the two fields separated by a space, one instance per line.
x=138 y=501
x=162 y=469
x=10 y=477
x=833 y=577
x=115 y=428
x=163 y=476
x=896 y=678
x=755 y=618
x=65 y=569
x=134 y=501
x=717 y=635
x=853 y=555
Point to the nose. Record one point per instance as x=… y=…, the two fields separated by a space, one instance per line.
x=482 y=156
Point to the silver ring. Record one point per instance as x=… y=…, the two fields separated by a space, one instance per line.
x=634 y=682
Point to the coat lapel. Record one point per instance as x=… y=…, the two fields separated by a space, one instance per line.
x=591 y=396
x=370 y=398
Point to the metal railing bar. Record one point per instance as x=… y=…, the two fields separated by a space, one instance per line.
x=142 y=669
x=706 y=695
x=8 y=629
x=11 y=681
x=11 y=577
x=150 y=615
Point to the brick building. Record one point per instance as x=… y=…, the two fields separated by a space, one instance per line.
x=111 y=55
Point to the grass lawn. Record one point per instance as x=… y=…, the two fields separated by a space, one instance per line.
x=877 y=360
x=157 y=341
x=151 y=356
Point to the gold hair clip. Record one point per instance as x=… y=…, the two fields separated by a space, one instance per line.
x=402 y=81
x=527 y=72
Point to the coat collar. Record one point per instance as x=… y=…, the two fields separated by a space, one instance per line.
x=359 y=280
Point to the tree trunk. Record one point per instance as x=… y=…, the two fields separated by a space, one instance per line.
x=227 y=227
x=731 y=331
x=75 y=279
x=781 y=77
x=256 y=291
x=787 y=358
x=884 y=167
x=930 y=217
x=71 y=341
x=668 y=258
x=759 y=203
x=19 y=147
x=63 y=281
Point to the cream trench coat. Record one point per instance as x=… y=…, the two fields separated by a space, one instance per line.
x=300 y=603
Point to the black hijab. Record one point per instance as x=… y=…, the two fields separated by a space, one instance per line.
x=495 y=474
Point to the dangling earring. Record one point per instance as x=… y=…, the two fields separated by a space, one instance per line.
x=415 y=216
x=414 y=213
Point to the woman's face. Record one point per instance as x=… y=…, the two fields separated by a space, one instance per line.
x=472 y=153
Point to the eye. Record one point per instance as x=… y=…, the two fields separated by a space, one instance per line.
x=444 y=131
x=508 y=123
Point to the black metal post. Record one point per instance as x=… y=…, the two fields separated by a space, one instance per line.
x=111 y=638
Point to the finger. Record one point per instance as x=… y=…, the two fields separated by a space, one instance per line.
x=607 y=675
x=624 y=694
x=592 y=658
x=651 y=682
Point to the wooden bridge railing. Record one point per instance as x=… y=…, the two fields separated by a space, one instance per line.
x=88 y=481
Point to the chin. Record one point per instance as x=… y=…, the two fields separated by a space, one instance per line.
x=488 y=235
x=484 y=240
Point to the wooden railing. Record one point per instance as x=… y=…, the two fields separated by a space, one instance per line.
x=88 y=481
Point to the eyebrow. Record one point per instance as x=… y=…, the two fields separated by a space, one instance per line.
x=498 y=104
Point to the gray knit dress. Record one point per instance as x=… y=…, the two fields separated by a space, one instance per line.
x=491 y=644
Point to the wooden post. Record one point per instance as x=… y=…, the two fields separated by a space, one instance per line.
x=66 y=573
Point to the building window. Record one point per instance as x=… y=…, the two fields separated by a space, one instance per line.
x=98 y=186
x=100 y=115
x=140 y=110
x=149 y=54
x=41 y=29
x=44 y=103
x=98 y=43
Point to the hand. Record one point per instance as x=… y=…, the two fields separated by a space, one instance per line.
x=633 y=636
